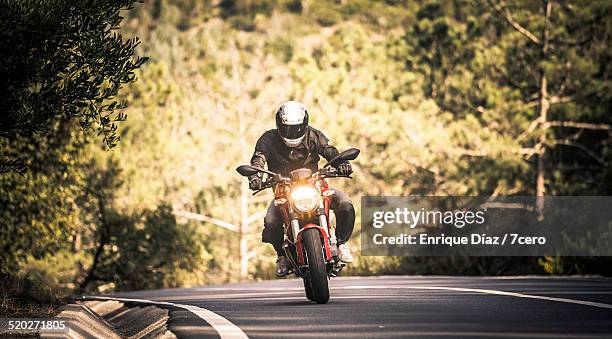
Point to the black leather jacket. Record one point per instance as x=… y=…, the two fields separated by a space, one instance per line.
x=271 y=149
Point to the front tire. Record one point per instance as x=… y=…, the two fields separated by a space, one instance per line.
x=317 y=271
x=308 y=288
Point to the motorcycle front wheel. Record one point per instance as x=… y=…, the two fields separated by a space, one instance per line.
x=308 y=288
x=317 y=271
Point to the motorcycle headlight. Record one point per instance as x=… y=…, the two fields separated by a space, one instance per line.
x=305 y=198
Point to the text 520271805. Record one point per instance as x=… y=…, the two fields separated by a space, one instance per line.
x=32 y=325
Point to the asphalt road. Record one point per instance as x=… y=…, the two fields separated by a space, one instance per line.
x=441 y=307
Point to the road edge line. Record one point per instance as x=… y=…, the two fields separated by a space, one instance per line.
x=487 y=291
x=225 y=328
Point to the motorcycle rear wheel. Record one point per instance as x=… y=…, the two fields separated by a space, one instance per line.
x=317 y=271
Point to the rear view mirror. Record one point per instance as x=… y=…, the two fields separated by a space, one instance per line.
x=349 y=154
x=247 y=170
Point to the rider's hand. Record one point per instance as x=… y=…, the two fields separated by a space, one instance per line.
x=255 y=183
x=345 y=168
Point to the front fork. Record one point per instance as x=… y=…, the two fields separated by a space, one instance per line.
x=329 y=227
x=335 y=266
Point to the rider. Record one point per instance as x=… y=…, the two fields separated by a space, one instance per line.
x=292 y=145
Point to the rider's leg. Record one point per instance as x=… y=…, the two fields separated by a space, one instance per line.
x=273 y=234
x=345 y=216
x=345 y=221
x=273 y=229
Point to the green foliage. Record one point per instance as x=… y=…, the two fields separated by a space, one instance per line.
x=483 y=71
x=245 y=7
x=243 y=23
x=39 y=210
x=61 y=227
x=576 y=265
x=438 y=95
x=325 y=13
x=63 y=60
x=144 y=251
x=23 y=296
x=429 y=103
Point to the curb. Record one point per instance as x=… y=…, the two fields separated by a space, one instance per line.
x=112 y=319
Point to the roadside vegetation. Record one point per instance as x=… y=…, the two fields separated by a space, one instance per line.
x=442 y=97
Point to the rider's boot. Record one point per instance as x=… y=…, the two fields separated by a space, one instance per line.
x=282 y=266
x=345 y=253
x=333 y=248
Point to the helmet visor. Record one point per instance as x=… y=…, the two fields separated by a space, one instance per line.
x=292 y=131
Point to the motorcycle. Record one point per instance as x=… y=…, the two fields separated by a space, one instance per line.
x=304 y=199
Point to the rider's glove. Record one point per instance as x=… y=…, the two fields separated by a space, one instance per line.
x=345 y=168
x=255 y=183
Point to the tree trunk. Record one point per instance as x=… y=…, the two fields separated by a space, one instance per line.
x=244 y=206
x=544 y=105
x=244 y=250
x=91 y=273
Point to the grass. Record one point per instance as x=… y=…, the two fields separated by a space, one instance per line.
x=20 y=308
x=23 y=297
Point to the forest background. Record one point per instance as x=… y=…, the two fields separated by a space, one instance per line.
x=442 y=97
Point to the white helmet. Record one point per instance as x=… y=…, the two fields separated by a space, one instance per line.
x=291 y=122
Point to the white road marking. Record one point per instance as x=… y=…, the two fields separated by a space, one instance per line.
x=341 y=297
x=274 y=294
x=218 y=296
x=250 y=288
x=485 y=291
x=225 y=328
x=274 y=297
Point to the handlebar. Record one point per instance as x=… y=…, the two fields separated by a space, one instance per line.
x=262 y=189
x=322 y=174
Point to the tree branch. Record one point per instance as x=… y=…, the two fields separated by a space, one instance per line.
x=506 y=205
x=529 y=129
x=551 y=101
x=16 y=165
x=255 y=216
x=582 y=148
x=506 y=15
x=582 y=125
x=205 y=218
x=482 y=153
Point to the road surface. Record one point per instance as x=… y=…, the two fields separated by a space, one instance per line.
x=379 y=307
